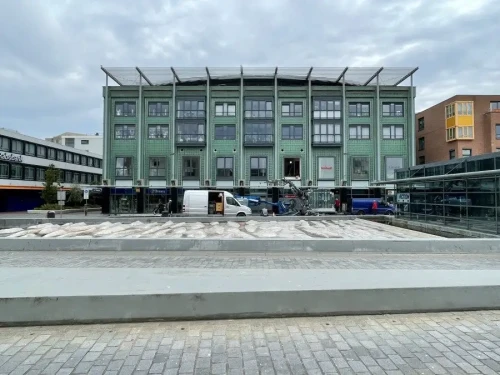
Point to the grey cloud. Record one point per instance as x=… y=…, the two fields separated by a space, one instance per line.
x=50 y=52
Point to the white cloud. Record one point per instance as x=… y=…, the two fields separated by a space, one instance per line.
x=51 y=52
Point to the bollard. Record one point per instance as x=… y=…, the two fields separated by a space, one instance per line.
x=85 y=209
x=51 y=215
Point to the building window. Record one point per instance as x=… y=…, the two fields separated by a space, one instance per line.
x=157 y=167
x=124 y=131
x=98 y=163
x=421 y=143
x=41 y=151
x=224 y=168
x=291 y=167
x=450 y=110
x=76 y=159
x=360 y=168
x=327 y=109
x=84 y=142
x=494 y=106
x=83 y=178
x=392 y=110
x=291 y=132
x=421 y=160
x=29 y=149
x=61 y=176
x=40 y=174
x=450 y=134
x=76 y=177
x=16 y=171
x=69 y=157
x=29 y=173
x=465 y=132
x=452 y=154
x=464 y=108
x=158 y=131
x=225 y=132
x=68 y=177
x=392 y=132
x=60 y=155
x=258 y=108
x=225 y=109
x=17 y=146
x=391 y=164
x=326 y=168
x=4 y=170
x=258 y=132
x=421 y=124
x=327 y=133
x=291 y=109
x=466 y=152
x=497 y=131
x=124 y=109
x=70 y=142
x=123 y=167
x=4 y=144
x=359 y=131
x=90 y=161
x=83 y=160
x=191 y=167
x=359 y=109
x=158 y=109
x=190 y=132
x=258 y=168
x=191 y=109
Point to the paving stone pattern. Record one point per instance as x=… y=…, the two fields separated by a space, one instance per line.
x=449 y=343
x=121 y=259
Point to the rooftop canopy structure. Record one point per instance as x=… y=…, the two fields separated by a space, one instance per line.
x=354 y=76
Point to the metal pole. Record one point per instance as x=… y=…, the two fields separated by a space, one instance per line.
x=105 y=132
x=207 y=132
x=173 y=133
x=139 y=132
x=242 y=130
x=276 y=129
x=344 y=131
x=412 y=146
x=310 y=173
x=378 y=133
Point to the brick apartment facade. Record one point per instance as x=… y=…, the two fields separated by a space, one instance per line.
x=461 y=126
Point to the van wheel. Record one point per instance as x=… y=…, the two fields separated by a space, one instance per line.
x=389 y=213
x=241 y=214
x=361 y=212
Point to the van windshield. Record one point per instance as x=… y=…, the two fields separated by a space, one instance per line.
x=232 y=202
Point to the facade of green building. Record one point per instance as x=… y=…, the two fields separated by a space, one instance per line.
x=225 y=128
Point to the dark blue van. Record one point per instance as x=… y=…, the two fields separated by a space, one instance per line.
x=363 y=206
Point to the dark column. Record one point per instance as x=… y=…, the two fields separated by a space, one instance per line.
x=276 y=198
x=106 y=200
x=141 y=199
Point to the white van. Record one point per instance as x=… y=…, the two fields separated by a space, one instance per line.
x=212 y=202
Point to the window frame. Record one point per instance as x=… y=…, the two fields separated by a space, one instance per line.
x=40 y=174
x=5 y=147
x=159 y=105
x=359 y=132
x=124 y=129
x=253 y=106
x=194 y=113
x=196 y=169
x=126 y=160
x=76 y=159
x=393 y=134
x=421 y=124
x=392 y=109
x=190 y=138
x=292 y=112
x=420 y=158
x=158 y=168
x=227 y=171
x=40 y=154
x=14 y=167
x=467 y=149
x=322 y=110
x=494 y=105
x=359 y=176
x=5 y=175
x=225 y=112
x=452 y=152
x=127 y=112
x=292 y=160
x=421 y=143
x=317 y=137
x=256 y=138
x=358 y=109
x=159 y=130
x=497 y=131
x=84 y=141
x=60 y=155
x=292 y=130
x=29 y=145
x=387 y=158
x=258 y=176
x=18 y=143
x=224 y=127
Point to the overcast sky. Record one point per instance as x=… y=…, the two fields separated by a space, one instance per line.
x=51 y=50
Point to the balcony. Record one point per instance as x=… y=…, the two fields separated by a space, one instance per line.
x=190 y=140
x=259 y=140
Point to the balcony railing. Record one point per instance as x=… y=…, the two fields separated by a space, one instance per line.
x=259 y=139
x=190 y=139
x=326 y=140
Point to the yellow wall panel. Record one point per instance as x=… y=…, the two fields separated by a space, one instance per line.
x=450 y=122
x=465 y=120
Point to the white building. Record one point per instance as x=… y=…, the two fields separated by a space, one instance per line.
x=24 y=160
x=85 y=142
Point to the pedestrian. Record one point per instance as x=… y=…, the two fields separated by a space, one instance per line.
x=169 y=207
x=337 y=205
x=374 y=207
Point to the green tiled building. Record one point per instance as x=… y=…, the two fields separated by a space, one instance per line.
x=226 y=127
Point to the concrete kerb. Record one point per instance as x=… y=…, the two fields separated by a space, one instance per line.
x=265 y=245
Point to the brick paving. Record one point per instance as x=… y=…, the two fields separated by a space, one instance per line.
x=120 y=259
x=447 y=343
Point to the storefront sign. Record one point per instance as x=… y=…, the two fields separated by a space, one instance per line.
x=403 y=198
x=11 y=157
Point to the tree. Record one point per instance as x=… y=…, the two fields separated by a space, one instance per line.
x=49 y=192
x=75 y=195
